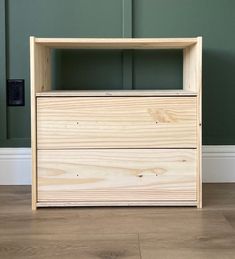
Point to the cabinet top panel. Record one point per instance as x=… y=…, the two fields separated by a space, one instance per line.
x=116 y=93
x=117 y=43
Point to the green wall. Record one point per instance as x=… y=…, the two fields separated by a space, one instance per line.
x=212 y=19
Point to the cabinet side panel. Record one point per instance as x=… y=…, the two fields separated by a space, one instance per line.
x=199 y=116
x=40 y=79
x=33 y=121
x=192 y=81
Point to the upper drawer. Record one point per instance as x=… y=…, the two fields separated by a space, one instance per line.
x=116 y=122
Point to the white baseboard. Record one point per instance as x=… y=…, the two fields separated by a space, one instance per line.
x=218 y=165
x=15 y=166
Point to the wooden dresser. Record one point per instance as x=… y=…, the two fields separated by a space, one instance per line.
x=116 y=148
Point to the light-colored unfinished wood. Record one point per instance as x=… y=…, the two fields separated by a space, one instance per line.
x=120 y=122
x=40 y=80
x=117 y=43
x=33 y=123
x=42 y=64
x=116 y=119
x=199 y=122
x=121 y=175
x=192 y=67
x=121 y=93
x=192 y=81
x=163 y=203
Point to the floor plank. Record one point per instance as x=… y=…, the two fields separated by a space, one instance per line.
x=188 y=254
x=108 y=233
x=89 y=246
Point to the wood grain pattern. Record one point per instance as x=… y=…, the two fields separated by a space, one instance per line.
x=116 y=175
x=191 y=67
x=65 y=120
x=40 y=80
x=117 y=43
x=199 y=122
x=137 y=203
x=124 y=122
x=42 y=63
x=105 y=233
x=33 y=121
x=192 y=81
x=122 y=93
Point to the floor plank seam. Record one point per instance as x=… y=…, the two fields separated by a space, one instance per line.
x=228 y=221
x=139 y=245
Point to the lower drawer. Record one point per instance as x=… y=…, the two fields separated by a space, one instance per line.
x=116 y=175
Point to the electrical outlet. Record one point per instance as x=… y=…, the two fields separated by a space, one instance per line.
x=15 y=92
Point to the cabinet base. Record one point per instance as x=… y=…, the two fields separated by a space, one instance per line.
x=116 y=203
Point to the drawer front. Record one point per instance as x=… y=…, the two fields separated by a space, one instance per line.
x=116 y=175
x=116 y=122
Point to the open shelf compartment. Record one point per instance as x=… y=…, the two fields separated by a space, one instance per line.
x=41 y=60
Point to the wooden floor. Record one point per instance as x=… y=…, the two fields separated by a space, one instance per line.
x=113 y=233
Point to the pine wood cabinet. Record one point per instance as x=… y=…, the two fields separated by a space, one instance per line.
x=98 y=148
